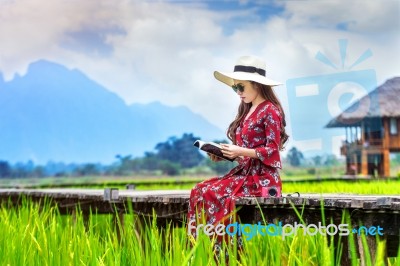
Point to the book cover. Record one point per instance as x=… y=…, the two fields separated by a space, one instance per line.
x=211 y=147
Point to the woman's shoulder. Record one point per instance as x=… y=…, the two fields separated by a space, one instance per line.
x=269 y=108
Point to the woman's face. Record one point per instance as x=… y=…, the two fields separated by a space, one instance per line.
x=250 y=94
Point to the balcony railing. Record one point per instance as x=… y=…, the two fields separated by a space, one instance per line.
x=356 y=145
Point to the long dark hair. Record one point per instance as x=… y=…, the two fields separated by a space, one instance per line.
x=268 y=94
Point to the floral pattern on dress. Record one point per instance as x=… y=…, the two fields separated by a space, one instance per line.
x=216 y=196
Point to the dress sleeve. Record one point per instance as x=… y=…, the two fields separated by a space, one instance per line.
x=269 y=152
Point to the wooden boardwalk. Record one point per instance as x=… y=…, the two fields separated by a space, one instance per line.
x=171 y=206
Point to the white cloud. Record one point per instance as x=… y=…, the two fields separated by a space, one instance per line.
x=147 y=51
x=374 y=17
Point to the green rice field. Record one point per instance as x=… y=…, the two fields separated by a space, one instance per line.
x=33 y=235
x=359 y=186
x=380 y=187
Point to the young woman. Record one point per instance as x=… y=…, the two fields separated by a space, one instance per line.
x=257 y=135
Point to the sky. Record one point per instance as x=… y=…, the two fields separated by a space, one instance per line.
x=167 y=51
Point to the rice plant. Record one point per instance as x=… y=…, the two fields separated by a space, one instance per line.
x=37 y=234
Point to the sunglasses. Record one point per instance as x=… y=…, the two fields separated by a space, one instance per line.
x=238 y=87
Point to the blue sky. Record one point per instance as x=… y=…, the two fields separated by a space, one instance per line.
x=260 y=11
x=166 y=51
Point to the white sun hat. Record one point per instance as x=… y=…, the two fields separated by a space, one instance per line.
x=247 y=68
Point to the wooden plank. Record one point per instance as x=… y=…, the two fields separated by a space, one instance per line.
x=372 y=202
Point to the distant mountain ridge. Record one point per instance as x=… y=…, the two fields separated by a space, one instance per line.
x=53 y=113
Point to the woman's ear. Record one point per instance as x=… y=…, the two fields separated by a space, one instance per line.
x=256 y=86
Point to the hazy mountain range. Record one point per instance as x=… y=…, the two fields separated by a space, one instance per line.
x=53 y=113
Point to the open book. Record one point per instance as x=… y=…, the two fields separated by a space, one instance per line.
x=211 y=147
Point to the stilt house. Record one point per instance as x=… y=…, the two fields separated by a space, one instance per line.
x=372 y=126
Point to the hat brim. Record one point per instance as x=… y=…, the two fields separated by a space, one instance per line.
x=228 y=77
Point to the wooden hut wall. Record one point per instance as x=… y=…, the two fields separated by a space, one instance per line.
x=394 y=136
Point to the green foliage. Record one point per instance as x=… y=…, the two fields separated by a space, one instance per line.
x=171 y=157
x=168 y=167
x=87 y=169
x=304 y=172
x=317 y=160
x=202 y=170
x=221 y=167
x=331 y=160
x=180 y=151
x=34 y=235
x=295 y=156
x=5 y=169
x=311 y=171
x=381 y=187
x=149 y=162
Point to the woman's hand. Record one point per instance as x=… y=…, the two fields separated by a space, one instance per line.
x=231 y=151
x=234 y=151
x=213 y=157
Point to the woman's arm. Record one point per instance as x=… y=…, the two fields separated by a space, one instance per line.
x=233 y=151
x=268 y=153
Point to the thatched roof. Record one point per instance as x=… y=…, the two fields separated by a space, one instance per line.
x=384 y=101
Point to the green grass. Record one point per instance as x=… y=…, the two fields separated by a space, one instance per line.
x=99 y=181
x=378 y=186
x=382 y=187
x=31 y=235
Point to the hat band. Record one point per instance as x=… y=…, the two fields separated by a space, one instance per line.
x=249 y=69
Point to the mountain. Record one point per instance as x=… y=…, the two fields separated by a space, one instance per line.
x=172 y=121
x=53 y=113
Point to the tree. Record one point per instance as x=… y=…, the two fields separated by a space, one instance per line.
x=168 y=167
x=124 y=164
x=317 y=160
x=331 y=160
x=38 y=171
x=295 y=157
x=221 y=167
x=87 y=169
x=150 y=161
x=180 y=151
x=5 y=169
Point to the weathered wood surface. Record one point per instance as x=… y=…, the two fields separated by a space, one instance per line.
x=380 y=203
x=335 y=200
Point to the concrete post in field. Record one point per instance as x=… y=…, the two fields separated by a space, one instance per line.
x=111 y=194
x=130 y=186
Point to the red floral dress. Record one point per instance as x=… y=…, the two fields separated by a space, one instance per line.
x=216 y=196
